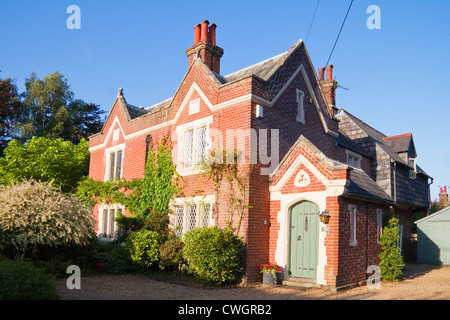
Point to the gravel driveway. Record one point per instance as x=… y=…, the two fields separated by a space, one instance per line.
x=420 y=282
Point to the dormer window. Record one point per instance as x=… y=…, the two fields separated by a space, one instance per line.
x=353 y=159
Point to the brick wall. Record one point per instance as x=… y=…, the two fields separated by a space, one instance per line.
x=355 y=259
x=259 y=227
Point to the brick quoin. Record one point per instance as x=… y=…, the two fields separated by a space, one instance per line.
x=230 y=104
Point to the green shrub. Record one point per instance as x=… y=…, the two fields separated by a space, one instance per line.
x=214 y=255
x=115 y=256
x=159 y=223
x=143 y=248
x=56 y=266
x=20 y=280
x=171 y=254
x=391 y=261
x=36 y=215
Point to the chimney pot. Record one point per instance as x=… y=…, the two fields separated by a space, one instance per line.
x=197 y=32
x=330 y=72
x=205 y=47
x=321 y=74
x=212 y=33
x=204 y=31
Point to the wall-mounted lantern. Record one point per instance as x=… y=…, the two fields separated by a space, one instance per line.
x=324 y=217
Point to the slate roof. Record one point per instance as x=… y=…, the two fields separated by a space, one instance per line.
x=348 y=143
x=135 y=112
x=400 y=143
x=383 y=141
x=263 y=69
x=362 y=186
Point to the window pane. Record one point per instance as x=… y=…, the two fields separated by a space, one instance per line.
x=111 y=217
x=119 y=164
x=112 y=162
x=179 y=221
x=201 y=141
x=379 y=223
x=352 y=225
x=104 y=222
x=192 y=214
x=188 y=148
x=204 y=217
x=300 y=107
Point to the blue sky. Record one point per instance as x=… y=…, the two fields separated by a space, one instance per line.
x=397 y=76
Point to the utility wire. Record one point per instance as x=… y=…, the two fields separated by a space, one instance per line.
x=339 y=32
x=315 y=11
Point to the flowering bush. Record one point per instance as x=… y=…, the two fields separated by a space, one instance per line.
x=270 y=267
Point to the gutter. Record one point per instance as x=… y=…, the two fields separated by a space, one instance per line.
x=349 y=194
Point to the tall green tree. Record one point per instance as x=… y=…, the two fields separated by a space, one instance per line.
x=44 y=159
x=50 y=110
x=10 y=107
x=391 y=261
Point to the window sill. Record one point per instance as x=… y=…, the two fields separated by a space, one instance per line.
x=353 y=244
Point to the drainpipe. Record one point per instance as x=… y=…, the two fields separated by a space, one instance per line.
x=429 y=196
x=395 y=184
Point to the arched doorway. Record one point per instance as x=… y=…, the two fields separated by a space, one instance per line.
x=304 y=239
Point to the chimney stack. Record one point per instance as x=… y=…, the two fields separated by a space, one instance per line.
x=205 y=46
x=443 y=197
x=328 y=86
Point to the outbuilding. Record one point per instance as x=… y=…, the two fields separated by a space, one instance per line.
x=433 y=238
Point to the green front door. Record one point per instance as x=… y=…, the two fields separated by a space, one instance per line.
x=304 y=238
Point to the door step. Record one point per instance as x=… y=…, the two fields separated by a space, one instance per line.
x=302 y=282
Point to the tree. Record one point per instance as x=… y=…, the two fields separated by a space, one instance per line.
x=37 y=215
x=43 y=159
x=391 y=262
x=50 y=110
x=10 y=107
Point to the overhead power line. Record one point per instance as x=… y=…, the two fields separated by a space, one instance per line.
x=339 y=32
x=312 y=21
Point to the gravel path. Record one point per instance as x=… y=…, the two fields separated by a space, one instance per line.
x=421 y=282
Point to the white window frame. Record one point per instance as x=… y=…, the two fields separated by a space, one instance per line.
x=356 y=159
x=188 y=206
x=379 y=223
x=113 y=151
x=110 y=234
x=300 y=97
x=353 y=225
x=181 y=131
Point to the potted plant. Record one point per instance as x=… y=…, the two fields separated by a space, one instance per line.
x=270 y=271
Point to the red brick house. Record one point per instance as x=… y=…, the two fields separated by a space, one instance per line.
x=311 y=160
